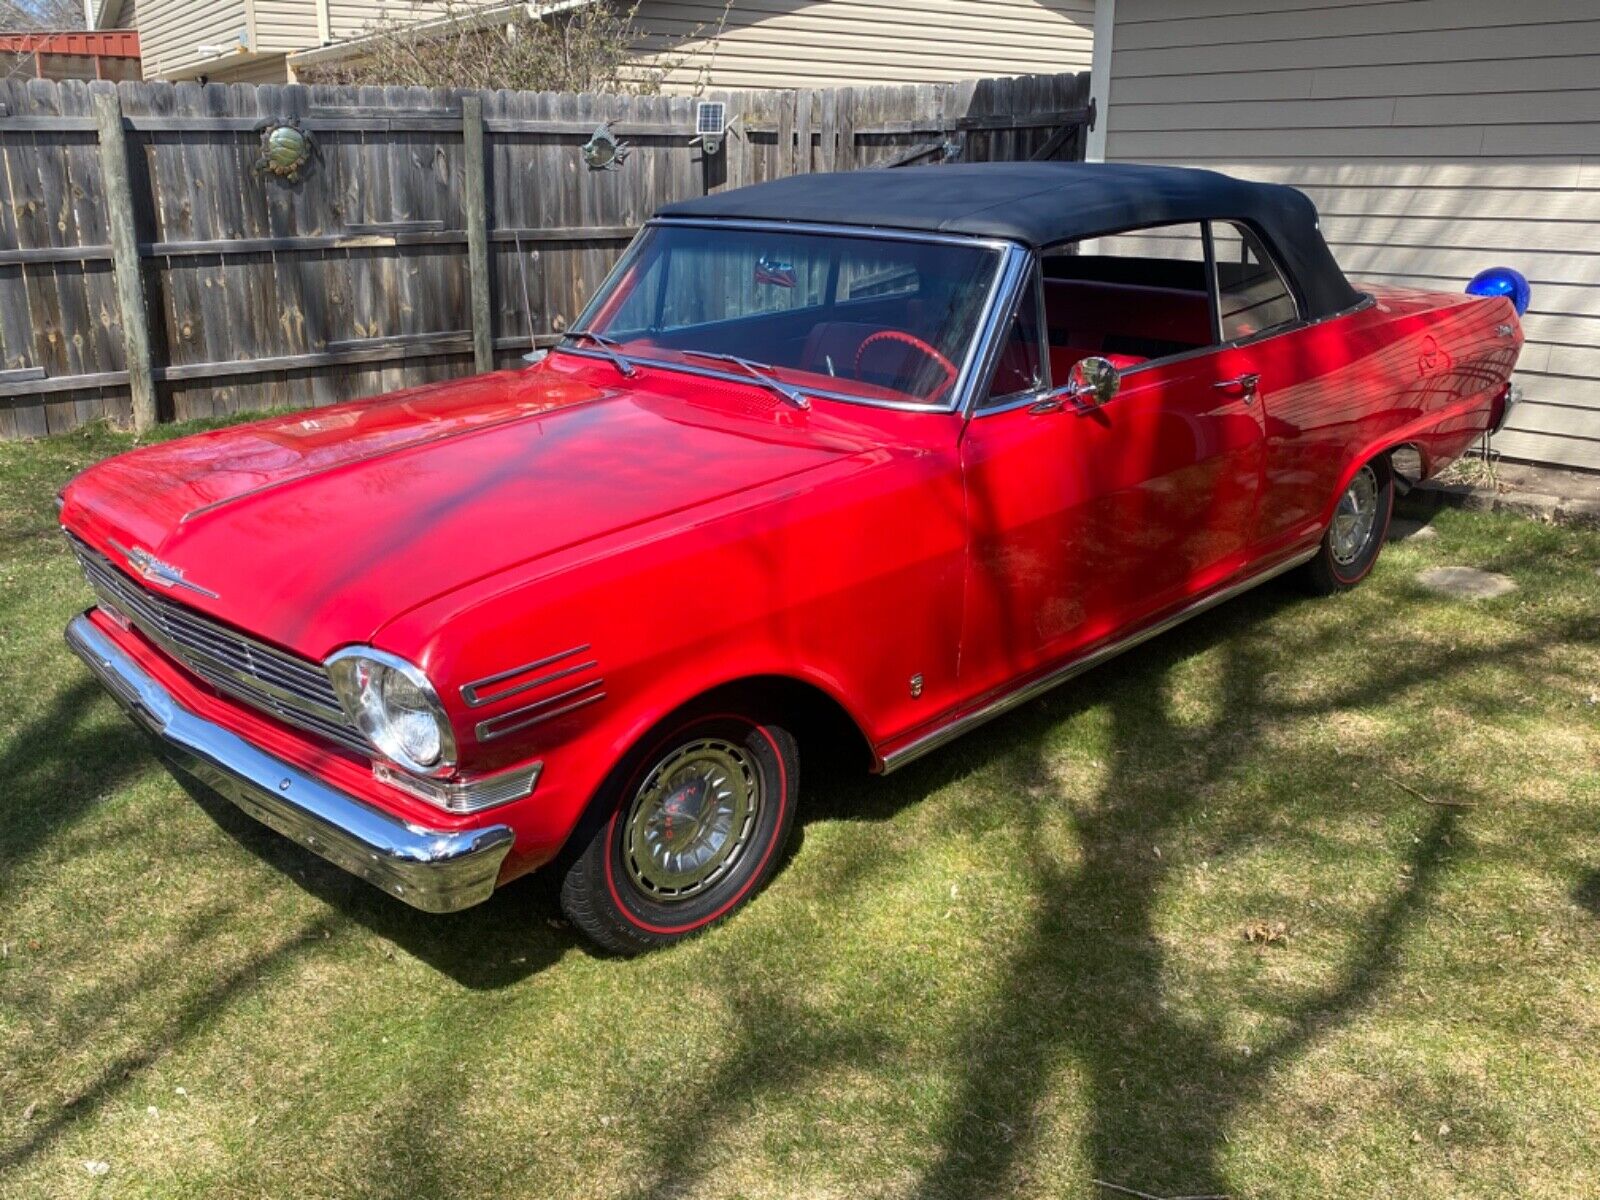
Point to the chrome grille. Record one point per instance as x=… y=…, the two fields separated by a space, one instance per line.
x=289 y=688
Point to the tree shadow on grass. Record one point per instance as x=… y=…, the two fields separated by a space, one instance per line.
x=1086 y=983
x=1587 y=894
x=187 y=1020
x=511 y=936
x=60 y=764
x=1085 y=986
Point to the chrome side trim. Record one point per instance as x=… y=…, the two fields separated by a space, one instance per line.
x=472 y=692
x=538 y=711
x=948 y=732
x=439 y=870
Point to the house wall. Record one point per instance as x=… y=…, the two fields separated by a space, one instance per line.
x=1437 y=137
x=257 y=68
x=353 y=18
x=795 y=43
x=171 y=32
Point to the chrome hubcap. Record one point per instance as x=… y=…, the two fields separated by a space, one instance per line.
x=1354 y=519
x=691 y=819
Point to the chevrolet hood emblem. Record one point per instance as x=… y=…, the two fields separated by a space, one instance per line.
x=162 y=574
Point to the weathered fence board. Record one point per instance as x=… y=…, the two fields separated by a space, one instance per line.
x=357 y=278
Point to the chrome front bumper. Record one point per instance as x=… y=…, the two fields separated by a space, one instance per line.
x=434 y=870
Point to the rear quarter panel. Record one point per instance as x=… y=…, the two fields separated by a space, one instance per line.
x=1417 y=368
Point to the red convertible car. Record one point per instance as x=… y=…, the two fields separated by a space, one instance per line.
x=865 y=458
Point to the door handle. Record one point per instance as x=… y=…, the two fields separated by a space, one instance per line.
x=1245 y=387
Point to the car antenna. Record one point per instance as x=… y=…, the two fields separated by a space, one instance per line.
x=534 y=354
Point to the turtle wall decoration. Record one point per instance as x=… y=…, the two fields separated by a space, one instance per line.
x=285 y=149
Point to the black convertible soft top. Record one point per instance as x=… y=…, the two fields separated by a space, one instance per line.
x=1043 y=204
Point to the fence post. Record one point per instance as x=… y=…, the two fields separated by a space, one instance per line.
x=125 y=256
x=477 y=230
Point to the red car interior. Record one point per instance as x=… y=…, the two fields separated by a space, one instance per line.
x=1124 y=322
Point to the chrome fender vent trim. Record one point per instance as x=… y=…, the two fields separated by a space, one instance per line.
x=532 y=677
x=541 y=710
x=476 y=697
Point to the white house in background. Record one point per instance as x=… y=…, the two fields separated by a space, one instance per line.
x=110 y=14
x=1437 y=137
x=762 y=43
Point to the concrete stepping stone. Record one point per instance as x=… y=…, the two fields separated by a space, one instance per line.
x=1404 y=529
x=1465 y=583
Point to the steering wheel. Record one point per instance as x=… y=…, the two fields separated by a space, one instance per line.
x=921 y=347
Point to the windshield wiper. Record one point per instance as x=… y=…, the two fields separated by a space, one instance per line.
x=607 y=346
x=757 y=371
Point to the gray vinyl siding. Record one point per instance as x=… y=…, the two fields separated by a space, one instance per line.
x=171 y=33
x=261 y=68
x=354 y=18
x=828 y=43
x=1437 y=137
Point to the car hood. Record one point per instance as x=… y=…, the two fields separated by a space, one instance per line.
x=314 y=530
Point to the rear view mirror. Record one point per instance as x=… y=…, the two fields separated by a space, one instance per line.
x=1093 y=380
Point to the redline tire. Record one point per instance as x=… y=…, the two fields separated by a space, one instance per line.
x=1330 y=572
x=634 y=888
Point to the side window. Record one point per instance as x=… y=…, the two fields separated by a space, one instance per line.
x=1252 y=295
x=1020 y=367
x=1130 y=297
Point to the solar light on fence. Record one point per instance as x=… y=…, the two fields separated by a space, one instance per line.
x=710 y=126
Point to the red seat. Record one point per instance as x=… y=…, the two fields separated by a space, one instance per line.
x=1083 y=314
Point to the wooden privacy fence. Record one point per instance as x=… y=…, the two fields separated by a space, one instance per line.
x=150 y=271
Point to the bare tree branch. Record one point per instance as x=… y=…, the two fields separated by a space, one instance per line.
x=591 y=48
x=29 y=15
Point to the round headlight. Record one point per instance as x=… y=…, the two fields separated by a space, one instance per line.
x=394 y=706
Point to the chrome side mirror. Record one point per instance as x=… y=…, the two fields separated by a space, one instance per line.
x=1093 y=380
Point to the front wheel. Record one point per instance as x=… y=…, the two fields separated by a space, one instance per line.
x=698 y=823
x=1355 y=535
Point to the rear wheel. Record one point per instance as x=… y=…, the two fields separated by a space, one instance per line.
x=1355 y=535
x=698 y=823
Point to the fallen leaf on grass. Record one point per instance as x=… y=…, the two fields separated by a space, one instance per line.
x=1266 y=933
x=27 y=1113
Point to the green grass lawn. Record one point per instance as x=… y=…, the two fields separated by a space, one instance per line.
x=1017 y=967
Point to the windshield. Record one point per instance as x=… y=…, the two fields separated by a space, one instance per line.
x=857 y=317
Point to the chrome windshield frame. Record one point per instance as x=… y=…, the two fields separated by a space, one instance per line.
x=1009 y=267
